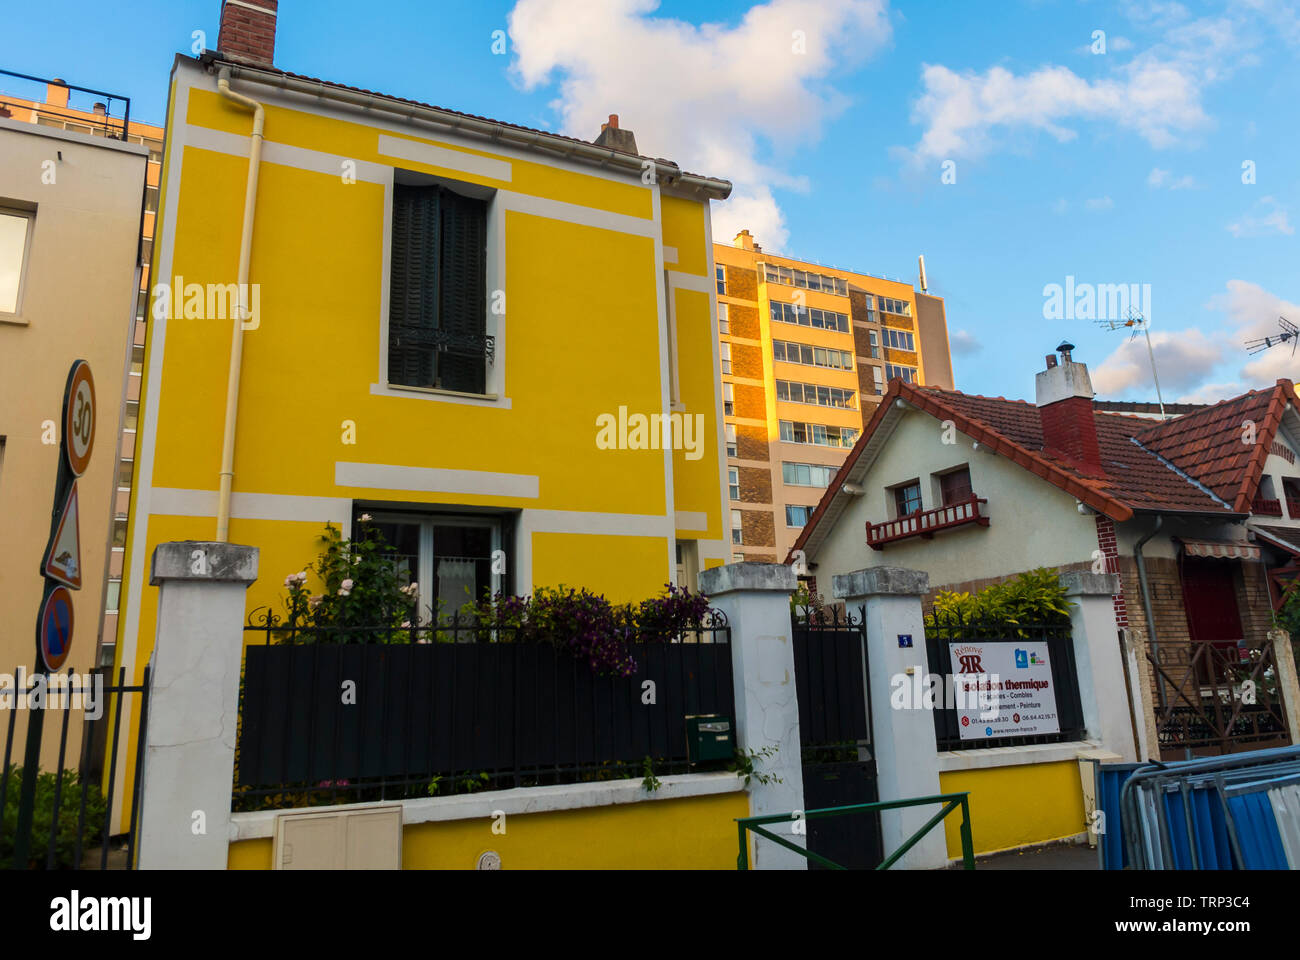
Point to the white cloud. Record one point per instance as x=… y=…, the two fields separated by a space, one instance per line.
x=1100 y=204
x=1213 y=393
x=1266 y=217
x=1156 y=93
x=962 y=112
x=1159 y=179
x=964 y=344
x=1253 y=313
x=1183 y=359
x=731 y=101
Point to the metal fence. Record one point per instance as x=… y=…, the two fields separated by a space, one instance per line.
x=339 y=715
x=943 y=634
x=64 y=818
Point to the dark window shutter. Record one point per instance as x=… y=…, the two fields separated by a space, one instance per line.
x=413 y=286
x=437 y=295
x=462 y=294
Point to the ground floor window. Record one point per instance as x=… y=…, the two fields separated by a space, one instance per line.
x=454 y=560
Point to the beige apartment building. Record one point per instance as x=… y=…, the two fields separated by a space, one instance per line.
x=55 y=106
x=70 y=212
x=807 y=351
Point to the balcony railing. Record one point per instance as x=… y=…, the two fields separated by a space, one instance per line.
x=928 y=522
x=1266 y=508
x=1293 y=508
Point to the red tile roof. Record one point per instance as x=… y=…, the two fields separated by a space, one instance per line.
x=1196 y=463
x=1224 y=446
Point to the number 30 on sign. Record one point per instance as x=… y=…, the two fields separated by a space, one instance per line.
x=79 y=418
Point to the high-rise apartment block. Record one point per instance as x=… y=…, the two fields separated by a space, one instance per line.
x=807 y=351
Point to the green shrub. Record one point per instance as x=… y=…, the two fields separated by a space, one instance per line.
x=43 y=816
x=1032 y=597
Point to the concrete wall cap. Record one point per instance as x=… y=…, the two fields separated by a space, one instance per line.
x=880 y=581
x=1082 y=583
x=748 y=576
x=196 y=560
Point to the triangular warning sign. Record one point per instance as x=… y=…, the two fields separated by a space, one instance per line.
x=63 y=558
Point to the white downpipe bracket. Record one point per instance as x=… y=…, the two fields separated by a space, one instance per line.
x=242 y=314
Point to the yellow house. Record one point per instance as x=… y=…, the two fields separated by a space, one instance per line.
x=500 y=343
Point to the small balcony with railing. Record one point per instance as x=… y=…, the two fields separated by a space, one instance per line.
x=1293 y=508
x=1264 y=507
x=966 y=511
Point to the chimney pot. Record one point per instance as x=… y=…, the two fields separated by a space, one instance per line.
x=1064 y=399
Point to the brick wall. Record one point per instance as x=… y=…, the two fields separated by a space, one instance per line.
x=747 y=361
x=755 y=485
x=743 y=322
x=751 y=402
x=742 y=283
x=1109 y=547
x=248 y=34
x=751 y=443
x=758 y=528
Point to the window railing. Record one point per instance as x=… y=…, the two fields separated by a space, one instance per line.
x=927 y=523
x=1293 y=508
x=1266 y=508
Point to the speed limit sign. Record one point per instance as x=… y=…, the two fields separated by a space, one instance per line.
x=79 y=418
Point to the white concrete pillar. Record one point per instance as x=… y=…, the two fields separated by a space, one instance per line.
x=755 y=597
x=189 y=753
x=907 y=760
x=1099 y=660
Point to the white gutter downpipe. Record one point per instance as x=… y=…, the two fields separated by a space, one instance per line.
x=242 y=314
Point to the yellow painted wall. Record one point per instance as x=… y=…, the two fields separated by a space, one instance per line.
x=582 y=337
x=1016 y=806
x=698 y=833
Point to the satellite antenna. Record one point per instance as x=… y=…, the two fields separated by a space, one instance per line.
x=1290 y=334
x=1140 y=324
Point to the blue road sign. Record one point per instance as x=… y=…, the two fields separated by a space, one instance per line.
x=56 y=627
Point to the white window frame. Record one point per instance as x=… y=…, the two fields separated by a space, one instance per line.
x=30 y=217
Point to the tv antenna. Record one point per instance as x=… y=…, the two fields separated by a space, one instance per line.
x=1290 y=334
x=1140 y=324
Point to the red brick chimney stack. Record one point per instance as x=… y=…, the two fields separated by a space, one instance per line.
x=1064 y=399
x=248 y=31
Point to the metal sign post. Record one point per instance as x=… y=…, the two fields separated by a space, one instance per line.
x=61 y=567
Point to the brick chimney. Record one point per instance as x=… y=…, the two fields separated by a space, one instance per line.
x=745 y=241
x=248 y=31
x=1064 y=399
x=56 y=94
x=615 y=138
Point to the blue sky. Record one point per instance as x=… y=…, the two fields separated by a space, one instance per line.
x=836 y=118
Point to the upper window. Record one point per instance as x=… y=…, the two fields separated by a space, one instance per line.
x=907 y=499
x=900 y=307
x=15 y=240
x=899 y=340
x=733 y=483
x=874 y=339
x=955 y=487
x=721 y=274
x=731 y=440
x=906 y=374
x=437 y=316
x=802 y=278
x=724 y=318
x=806 y=317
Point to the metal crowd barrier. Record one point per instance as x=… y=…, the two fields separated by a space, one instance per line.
x=1237 y=812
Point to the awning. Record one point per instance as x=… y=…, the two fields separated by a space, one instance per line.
x=1284 y=538
x=1221 y=550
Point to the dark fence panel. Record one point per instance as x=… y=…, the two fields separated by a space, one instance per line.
x=398 y=719
x=1065 y=677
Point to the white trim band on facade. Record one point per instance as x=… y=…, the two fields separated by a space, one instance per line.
x=522 y=800
x=954 y=760
x=434 y=156
x=691 y=520
x=386 y=476
x=176 y=502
